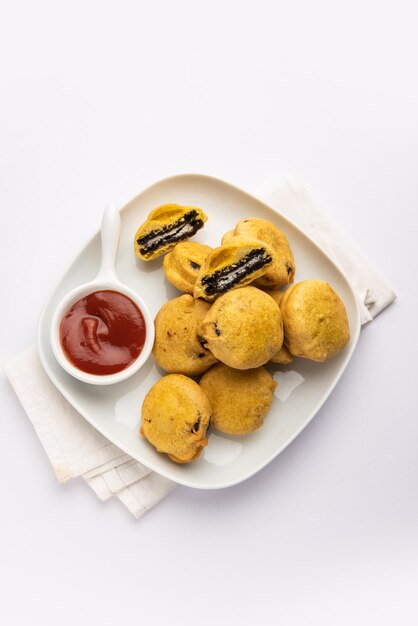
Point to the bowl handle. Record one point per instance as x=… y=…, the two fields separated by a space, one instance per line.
x=110 y=234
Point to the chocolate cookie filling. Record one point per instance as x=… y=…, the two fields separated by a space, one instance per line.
x=231 y=275
x=183 y=228
x=197 y=424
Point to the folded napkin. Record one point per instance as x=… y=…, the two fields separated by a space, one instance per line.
x=75 y=448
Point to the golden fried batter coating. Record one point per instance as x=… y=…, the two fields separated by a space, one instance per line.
x=315 y=320
x=183 y=263
x=178 y=347
x=283 y=356
x=243 y=328
x=165 y=227
x=227 y=236
x=240 y=399
x=235 y=264
x=175 y=416
x=284 y=271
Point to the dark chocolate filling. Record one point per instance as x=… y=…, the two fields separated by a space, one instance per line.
x=197 y=424
x=183 y=228
x=231 y=275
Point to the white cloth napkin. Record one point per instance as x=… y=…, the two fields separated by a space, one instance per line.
x=75 y=448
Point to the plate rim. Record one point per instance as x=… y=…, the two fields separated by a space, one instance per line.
x=355 y=334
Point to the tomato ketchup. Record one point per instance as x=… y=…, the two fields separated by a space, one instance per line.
x=103 y=333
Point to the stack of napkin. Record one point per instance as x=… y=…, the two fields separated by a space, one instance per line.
x=75 y=448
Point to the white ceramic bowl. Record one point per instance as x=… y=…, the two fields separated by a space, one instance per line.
x=105 y=280
x=72 y=298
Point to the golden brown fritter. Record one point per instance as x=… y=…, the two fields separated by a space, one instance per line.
x=240 y=399
x=183 y=263
x=165 y=227
x=235 y=264
x=243 y=328
x=175 y=416
x=178 y=347
x=315 y=320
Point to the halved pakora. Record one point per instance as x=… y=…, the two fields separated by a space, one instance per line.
x=283 y=271
x=234 y=264
x=165 y=227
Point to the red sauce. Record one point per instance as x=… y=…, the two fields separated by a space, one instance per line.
x=103 y=333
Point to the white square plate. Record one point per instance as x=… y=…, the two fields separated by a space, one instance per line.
x=115 y=410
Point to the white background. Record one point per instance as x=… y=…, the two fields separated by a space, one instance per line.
x=99 y=99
